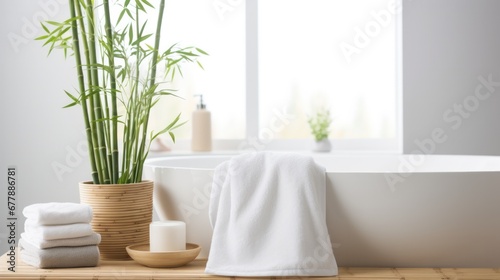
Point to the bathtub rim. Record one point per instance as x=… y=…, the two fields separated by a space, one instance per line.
x=154 y=162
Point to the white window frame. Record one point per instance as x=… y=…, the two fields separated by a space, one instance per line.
x=254 y=142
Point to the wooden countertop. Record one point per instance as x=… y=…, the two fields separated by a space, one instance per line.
x=195 y=270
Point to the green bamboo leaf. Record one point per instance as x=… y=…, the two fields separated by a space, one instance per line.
x=105 y=45
x=52 y=47
x=63 y=31
x=142 y=28
x=185 y=58
x=55 y=23
x=169 y=127
x=202 y=51
x=147 y=3
x=169 y=50
x=49 y=40
x=72 y=96
x=173 y=123
x=139 y=5
x=130 y=34
x=187 y=53
x=199 y=64
x=130 y=14
x=173 y=73
x=167 y=93
x=121 y=16
x=44 y=27
x=154 y=103
x=112 y=118
x=180 y=70
x=70 y=20
x=172 y=136
x=140 y=39
x=173 y=62
x=103 y=67
x=126 y=3
x=42 y=37
x=178 y=125
x=70 y=105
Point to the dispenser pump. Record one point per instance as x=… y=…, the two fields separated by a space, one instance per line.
x=201 y=105
x=202 y=128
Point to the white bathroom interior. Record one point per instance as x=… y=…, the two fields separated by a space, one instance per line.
x=401 y=78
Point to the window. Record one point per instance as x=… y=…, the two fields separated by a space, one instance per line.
x=285 y=59
x=222 y=83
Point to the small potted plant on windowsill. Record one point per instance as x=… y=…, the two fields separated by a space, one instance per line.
x=320 y=129
x=116 y=62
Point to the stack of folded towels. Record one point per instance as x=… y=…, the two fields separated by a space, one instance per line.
x=59 y=235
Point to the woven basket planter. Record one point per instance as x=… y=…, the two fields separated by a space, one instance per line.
x=121 y=214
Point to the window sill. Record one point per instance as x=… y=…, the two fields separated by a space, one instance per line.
x=229 y=147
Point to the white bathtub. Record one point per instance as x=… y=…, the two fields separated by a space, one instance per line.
x=382 y=210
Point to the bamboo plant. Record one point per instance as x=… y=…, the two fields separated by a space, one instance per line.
x=116 y=66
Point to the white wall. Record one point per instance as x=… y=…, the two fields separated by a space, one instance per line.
x=447 y=45
x=35 y=131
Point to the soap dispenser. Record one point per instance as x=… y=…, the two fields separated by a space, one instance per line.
x=201 y=140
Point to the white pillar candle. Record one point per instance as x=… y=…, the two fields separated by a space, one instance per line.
x=167 y=236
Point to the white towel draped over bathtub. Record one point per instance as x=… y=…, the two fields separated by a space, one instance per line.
x=268 y=214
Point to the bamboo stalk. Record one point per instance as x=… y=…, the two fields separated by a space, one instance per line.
x=107 y=132
x=135 y=107
x=91 y=90
x=93 y=129
x=81 y=82
x=135 y=148
x=125 y=152
x=114 y=133
x=152 y=81
x=96 y=95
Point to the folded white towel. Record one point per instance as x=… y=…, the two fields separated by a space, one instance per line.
x=58 y=213
x=59 y=257
x=268 y=214
x=57 y=231
x=93 y=239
